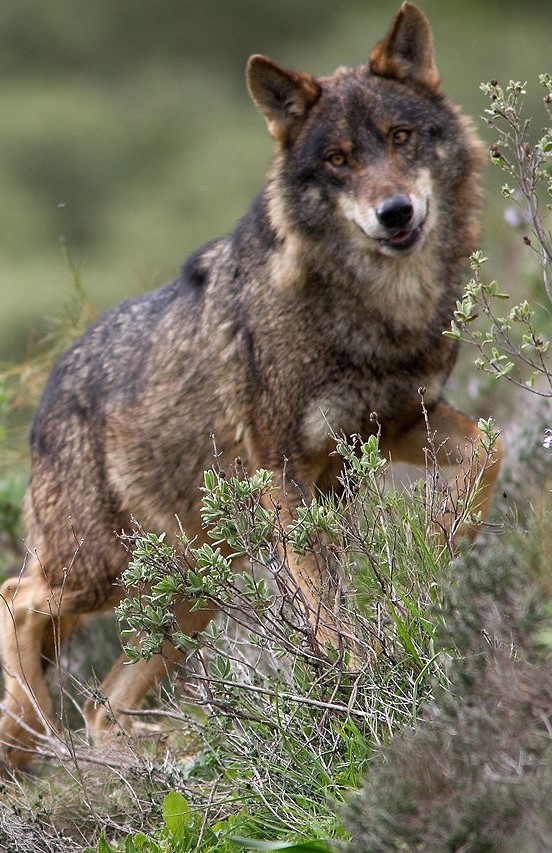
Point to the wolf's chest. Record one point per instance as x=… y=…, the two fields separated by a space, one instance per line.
x=343 y=407
x=346 y=402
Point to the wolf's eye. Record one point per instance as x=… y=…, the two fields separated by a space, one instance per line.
x=336 y=158
x=401 y=135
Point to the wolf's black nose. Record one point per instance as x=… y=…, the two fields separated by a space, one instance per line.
x=395 y=211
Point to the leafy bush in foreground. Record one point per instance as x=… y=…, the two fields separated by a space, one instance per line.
x=476 y=772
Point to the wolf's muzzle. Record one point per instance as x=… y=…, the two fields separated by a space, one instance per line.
x=404 y=226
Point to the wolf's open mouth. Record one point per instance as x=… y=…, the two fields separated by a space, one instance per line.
x=403 y=240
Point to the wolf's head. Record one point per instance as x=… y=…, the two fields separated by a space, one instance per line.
x=371 y=159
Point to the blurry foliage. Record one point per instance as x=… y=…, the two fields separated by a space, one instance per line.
x=127 y=134
x=106 y=39
x=475 y=773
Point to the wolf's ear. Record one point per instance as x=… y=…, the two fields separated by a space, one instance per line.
x=283 y=97
x=406 y=53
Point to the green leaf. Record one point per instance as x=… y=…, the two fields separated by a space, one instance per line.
x=176 y=814
x=454 y=331
x=407 y=642
x=210 y=479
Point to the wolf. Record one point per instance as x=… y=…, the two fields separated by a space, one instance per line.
x=324 y=305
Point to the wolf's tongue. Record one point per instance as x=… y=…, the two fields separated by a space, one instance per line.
x=401 y=237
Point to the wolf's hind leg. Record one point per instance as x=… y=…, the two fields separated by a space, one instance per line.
x=25 y=614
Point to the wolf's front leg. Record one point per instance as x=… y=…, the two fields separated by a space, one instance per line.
x=313 y=577
x=126 y=685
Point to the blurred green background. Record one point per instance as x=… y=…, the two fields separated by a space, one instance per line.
x=127 y=136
